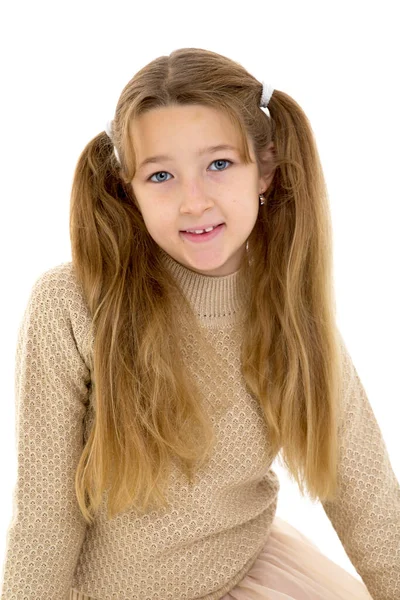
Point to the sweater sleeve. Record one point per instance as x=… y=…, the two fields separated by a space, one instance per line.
x=47 y=529
x=366 y=512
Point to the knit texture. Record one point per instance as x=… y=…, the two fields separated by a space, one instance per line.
x=209 y=538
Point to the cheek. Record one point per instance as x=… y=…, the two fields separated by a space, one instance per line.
x=159 y=227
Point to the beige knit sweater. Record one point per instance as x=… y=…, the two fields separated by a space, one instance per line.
x=210 y=538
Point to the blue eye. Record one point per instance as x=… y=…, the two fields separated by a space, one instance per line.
x=223 y=160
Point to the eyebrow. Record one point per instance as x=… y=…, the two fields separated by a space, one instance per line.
x=161 y=157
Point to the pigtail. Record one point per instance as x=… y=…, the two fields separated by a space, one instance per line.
x=291 y=356
x=136 y=350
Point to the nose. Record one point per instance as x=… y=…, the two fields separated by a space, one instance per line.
x=195 y=198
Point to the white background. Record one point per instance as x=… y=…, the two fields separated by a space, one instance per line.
x=63 y=68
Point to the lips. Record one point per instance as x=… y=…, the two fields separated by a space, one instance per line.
x=200 y=238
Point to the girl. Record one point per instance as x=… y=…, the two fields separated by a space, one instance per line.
x=161 y=372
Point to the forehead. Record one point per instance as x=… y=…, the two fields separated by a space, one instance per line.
x=181 y=126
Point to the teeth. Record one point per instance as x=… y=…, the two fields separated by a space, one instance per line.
x=200 y=230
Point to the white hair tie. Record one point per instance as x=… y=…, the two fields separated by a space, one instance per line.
x=266 y=97
x=108 y=130
x=266 y=94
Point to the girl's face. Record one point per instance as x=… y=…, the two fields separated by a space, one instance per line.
x=192 y=186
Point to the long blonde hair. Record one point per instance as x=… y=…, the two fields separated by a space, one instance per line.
x=147 y=408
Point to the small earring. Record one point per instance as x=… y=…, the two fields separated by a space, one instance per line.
x=262 y=199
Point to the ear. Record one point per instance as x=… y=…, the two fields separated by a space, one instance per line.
x=267 y=168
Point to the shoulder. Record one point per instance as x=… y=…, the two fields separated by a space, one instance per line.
x=61 y=277
x=58 y=296
x=348 y=369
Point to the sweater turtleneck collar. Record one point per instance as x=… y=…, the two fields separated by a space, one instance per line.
x=214 y=299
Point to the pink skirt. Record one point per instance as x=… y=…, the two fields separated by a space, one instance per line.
x=291 y=567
